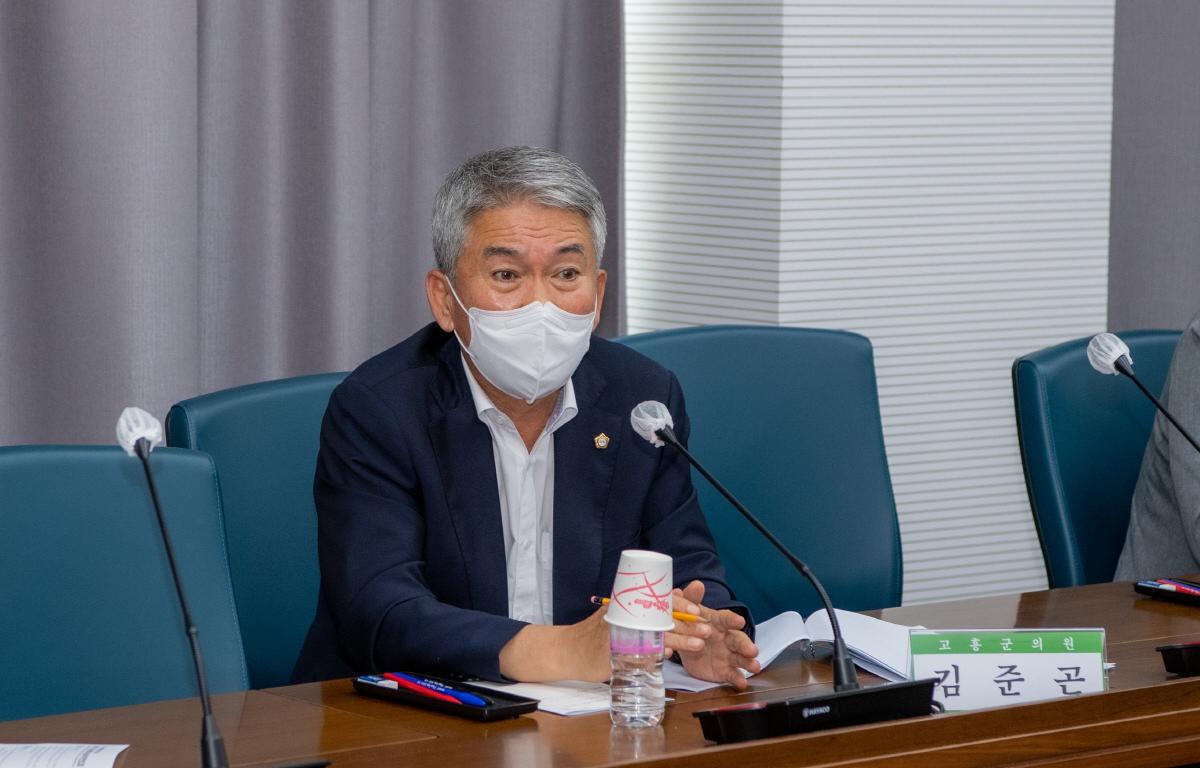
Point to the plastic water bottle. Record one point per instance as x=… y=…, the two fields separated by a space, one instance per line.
x=638 y=696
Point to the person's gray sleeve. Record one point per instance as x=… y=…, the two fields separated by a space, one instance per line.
x=1164 y=524
x=1184 y=404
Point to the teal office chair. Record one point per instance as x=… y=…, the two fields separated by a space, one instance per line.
x=263 y=438
x=90 y=616
x=1082 y=435
x=788 y=420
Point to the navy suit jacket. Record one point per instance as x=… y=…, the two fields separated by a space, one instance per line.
x=410 y=540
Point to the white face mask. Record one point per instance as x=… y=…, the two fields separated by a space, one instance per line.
x=527 y=352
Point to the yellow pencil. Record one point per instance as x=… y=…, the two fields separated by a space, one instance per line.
x=677 y=614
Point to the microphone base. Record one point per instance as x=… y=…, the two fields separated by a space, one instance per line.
x=764 y=719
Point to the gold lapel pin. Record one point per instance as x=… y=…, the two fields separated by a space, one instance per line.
x=601 y=441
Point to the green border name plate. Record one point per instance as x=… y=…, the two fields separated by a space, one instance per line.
x=979 y=668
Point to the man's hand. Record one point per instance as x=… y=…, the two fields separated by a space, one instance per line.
x=717 y=650
x=542 y=653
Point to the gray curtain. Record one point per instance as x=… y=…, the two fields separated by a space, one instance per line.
x=1154 y=243
x=195 y=195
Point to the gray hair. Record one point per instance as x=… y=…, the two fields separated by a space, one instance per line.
x=504 y=176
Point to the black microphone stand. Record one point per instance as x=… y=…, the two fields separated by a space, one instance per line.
x=850 y=704
x=1122 y=364
x=212 y=746
x=845 y=678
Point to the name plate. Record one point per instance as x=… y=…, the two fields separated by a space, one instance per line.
x=983 y=668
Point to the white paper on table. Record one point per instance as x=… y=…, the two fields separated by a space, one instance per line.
x=569 y=697
x=60 y=755
x=772 y=637
x=880 y=647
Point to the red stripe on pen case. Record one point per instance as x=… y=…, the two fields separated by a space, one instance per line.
x=410 y=686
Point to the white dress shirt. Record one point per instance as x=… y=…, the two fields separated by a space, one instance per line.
x=525 y=481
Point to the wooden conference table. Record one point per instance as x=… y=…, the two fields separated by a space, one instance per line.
x=1145 y=719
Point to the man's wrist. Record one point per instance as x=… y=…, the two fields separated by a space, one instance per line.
x=537 y=652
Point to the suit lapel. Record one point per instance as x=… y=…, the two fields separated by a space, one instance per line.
x=583 y=474
x=463 y=447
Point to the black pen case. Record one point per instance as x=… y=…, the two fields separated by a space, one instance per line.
x=1151 y=588
x=500 y=705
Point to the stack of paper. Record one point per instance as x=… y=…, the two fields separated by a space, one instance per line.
x=880 y=647
x=60 y=755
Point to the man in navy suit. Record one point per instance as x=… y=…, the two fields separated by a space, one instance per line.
x=477 y=483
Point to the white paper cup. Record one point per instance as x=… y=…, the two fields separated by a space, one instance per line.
x=641 y=593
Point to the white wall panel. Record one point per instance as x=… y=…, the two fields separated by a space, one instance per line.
x=703 y=132
x=933 y=175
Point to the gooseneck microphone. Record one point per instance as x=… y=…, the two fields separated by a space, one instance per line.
x=850 y=704
x=1108 y=354
x=653 y=421
x=138 y=432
